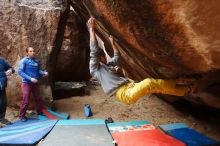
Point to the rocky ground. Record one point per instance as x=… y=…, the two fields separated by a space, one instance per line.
x=150 y=108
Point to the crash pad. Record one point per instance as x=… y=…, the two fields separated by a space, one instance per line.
x=130 y=126
x=57 y=114
x=88 y=132
x=25 y=133
x=49 y=114
x=188 y=135
x=145 y=138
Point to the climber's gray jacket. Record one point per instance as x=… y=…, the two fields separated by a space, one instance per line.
x=109 y=81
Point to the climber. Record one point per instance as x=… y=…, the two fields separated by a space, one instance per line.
x=29 y=70
x=5 y=70
x=125 y=90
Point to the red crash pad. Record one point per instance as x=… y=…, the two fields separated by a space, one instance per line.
x=146 y=137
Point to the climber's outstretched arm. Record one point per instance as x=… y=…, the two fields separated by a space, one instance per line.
x=114 y=60
x=94 y=61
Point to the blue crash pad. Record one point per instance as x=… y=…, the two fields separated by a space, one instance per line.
x=187 y=135
x=25 y=133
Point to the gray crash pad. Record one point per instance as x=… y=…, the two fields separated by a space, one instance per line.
x=79 y=133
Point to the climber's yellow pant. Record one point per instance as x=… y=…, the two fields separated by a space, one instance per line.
x=130 y=92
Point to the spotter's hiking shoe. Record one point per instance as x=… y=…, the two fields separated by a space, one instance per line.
x=24 y=119
x=5 y=122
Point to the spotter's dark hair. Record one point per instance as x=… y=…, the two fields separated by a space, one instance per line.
x=28 y=48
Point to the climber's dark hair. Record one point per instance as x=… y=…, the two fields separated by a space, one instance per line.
x=101 y=52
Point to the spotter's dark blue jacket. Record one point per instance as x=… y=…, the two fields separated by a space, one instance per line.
x=4 y=66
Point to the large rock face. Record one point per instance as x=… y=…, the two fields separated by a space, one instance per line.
x=164 y=38
x=41 y=25
x=161 y=39
x=23 y=25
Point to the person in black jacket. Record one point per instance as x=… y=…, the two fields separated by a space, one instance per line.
x=5 y=70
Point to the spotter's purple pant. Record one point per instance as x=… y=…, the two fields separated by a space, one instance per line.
x=27 y=89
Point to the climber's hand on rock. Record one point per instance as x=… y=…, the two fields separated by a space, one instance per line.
x=111 y=39
x=91 y=23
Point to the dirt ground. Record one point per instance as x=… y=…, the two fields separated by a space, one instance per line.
x=150 y=108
